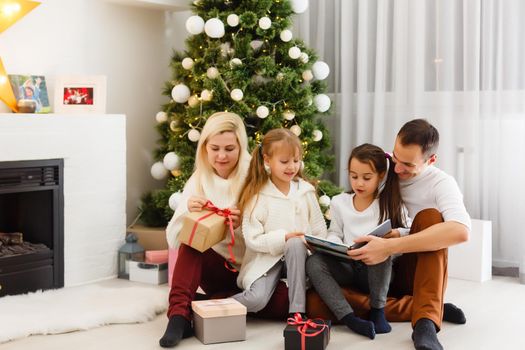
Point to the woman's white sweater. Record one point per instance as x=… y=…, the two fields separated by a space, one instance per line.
x=268 y=218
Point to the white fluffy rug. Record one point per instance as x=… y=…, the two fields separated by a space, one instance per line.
x=78 y=308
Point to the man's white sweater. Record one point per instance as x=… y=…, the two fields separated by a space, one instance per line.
x=268 y=218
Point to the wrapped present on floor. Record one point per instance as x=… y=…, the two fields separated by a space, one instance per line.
x=306 y=334
x=219 y=320
x=148 y=273
x=156 y=256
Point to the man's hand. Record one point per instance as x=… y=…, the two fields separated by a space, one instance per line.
x=236 y=217
x=374 y=252
x=195 y=203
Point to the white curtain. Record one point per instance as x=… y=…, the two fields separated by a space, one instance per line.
x=459 y=64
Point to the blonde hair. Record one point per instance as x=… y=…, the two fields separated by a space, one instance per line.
x=257 y=176
x=216 y=124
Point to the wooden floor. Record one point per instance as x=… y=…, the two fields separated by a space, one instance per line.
x=494 y=309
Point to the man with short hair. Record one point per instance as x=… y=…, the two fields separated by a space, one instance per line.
x=434 y=200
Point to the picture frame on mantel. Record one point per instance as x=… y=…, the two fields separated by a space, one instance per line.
x=80 y=94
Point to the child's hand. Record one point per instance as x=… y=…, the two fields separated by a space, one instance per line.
x=393 y=234
x=293 y=235
x=195 y=203
x=236 y=217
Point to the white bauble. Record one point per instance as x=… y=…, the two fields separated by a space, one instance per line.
x=320 y=70
x=317 y=135
x=171 y=161
x=214 y=28
x=236 y=94
x=161 y=117
x=158 y=171
x=212 y=73
x=324 y=200
x=304 y=57
x=294 y=52
x=256 y=44
x=286 y=35
x=265 y=23
x=308 y=75
x=299 y=6
x=232 y=20
x=262 y=112
x=235 y=62
x=193 y=101
x=296 y=129
x=180 y=93
x=322 y=102
x=195 y=25
x=187 y=63
x=174 y=200
x=194 y=135
x=288 y=114
x=206 y=95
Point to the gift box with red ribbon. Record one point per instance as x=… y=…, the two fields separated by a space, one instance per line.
x=306 y=334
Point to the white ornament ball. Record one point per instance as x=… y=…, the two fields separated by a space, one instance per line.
x=296 y=129
x=256 y=44
x=214 y=28
x=161 y=117
x=262 y=112
x=304 y=57
x=187 y=63
x=324 y=200
x=320 y=70
x=180 y=93
x=288 y=114
x=265 y=23
x=206 y=95
x=235 y=62
x=194 y=135
x=308 y=75
x=171 y=161
x=232 y=20
x=317 y=135
x=195 y=25
x=299 y=6
x=294 y=52
x=193 y=101
x=174 y=200
x=212 y=73
x=322 y=102
x=236 y=94
x=286 y=35
x=158 y=171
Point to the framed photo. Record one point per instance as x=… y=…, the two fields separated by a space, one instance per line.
x=80 y=94
x=31 y=90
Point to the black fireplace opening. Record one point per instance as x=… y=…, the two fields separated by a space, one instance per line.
x=31 y=226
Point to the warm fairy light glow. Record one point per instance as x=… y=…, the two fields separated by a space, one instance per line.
x=8 y=9
x=3 y=79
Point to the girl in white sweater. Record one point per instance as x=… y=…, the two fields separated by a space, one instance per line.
x=278 y=208
x=375 y=197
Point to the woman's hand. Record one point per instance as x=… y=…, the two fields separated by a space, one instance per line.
x=236 y=217
x=293 y=235
x=393 y=234
x=195 y=203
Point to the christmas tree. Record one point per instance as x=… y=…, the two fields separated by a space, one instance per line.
x=241 y=57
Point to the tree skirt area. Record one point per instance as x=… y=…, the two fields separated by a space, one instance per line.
x=78 y=308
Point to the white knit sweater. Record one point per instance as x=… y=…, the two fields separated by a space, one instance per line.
x=268 y=218
x=218 y=191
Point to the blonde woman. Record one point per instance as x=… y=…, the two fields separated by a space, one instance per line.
x=221 y=166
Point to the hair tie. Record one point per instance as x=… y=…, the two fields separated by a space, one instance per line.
x=387 y=155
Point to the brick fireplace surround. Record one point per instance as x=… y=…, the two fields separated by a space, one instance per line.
x=94 y=151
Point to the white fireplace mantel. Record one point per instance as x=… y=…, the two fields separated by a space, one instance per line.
x=94 y=151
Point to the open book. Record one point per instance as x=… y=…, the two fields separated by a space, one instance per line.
x=337 y=249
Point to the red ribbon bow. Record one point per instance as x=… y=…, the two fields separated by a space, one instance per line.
x=303 y=325
x=227 y=214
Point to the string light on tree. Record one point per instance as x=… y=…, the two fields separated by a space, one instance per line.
x=161 y=117
x=158 y=171
x=236 y=94
x=262 y=112
x=194 y=135
x=195 y=25
x=180 y=93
